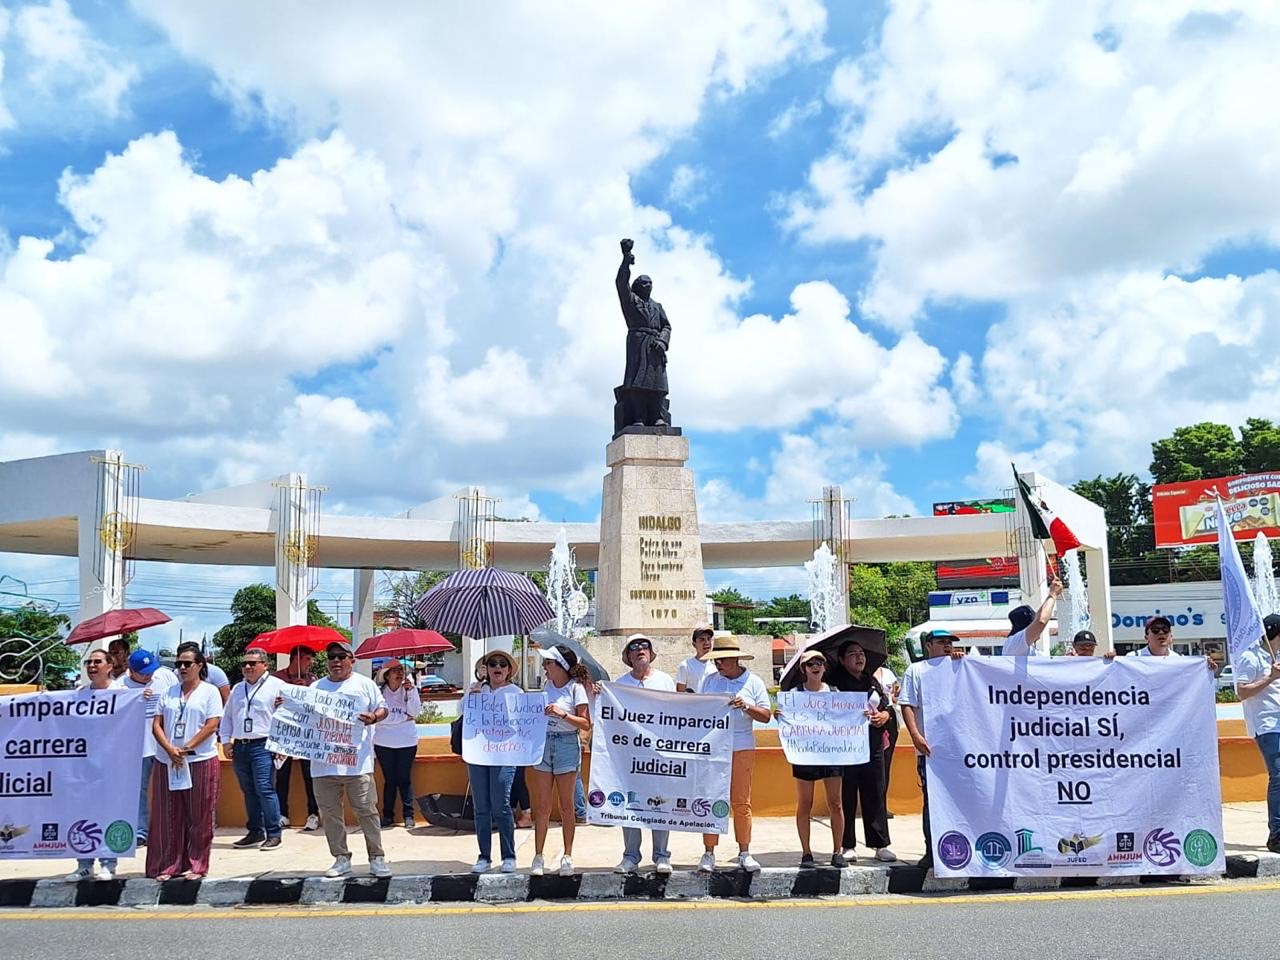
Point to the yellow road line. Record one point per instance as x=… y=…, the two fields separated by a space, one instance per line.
x=416 y=910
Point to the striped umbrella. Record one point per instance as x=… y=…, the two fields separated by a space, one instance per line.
x=484 y=603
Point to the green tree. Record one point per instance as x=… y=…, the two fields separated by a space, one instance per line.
x=31 y=638
x=1126 y=501
x=1260 y=446
x=739 y=611
x=893 y=597
x=253 y=611
x=1198 y=452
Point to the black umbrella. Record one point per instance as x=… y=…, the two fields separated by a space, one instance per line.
x=829 y=643
x=484 y=603
x=546 y=639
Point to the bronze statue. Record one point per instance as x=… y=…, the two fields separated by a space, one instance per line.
x=642 y=401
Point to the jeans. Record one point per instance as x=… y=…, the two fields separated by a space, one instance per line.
x=1269 y=745
x=580 y=807
x=144 y=798
x=254 y=769
x=397 y=774
x=631 y=844
x=491 y=794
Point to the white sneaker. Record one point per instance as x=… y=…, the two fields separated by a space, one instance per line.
x=850 y=854
x=626 y=866
x=341 y=867
x=538 y=866
x=75 y=876
x=482 y=866
x=885 y=855
x=708 y=862
x=662 y=865
x=566 y=866
x=105 y=873
x=313 y=823
x=509 y=865
x=748 y=863
x=284 y=823
x=378 y=867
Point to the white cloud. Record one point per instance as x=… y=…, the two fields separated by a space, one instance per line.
x=989 y=150
x=795 y=114
x=688 y=187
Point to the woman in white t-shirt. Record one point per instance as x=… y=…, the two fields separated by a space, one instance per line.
x=568 y=716
x=747 y=694
x=185 y=783
x=491 y=786
x=693 y=670
x=395 y=740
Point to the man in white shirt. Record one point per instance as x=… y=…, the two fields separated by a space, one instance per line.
x=243 y=730
x=638 y=654
x=693 y=670
x=145 y=673
x=937 y=644
x=1158 y=633
x=1029 y=624
x=1257 y=674
x=333 y=782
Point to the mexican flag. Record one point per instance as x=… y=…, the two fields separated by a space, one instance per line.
x=1045 y=524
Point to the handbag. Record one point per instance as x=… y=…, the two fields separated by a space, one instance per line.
x=455 y=735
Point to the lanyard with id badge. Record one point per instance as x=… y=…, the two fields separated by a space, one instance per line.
x=248 y=703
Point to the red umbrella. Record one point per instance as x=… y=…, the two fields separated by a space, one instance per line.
x=115 y=622
x=299 y=635
x=403 y=643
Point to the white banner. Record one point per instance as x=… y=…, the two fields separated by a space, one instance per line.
x=660 y=760
x=504 y=731
x=315 y=724
x=71 y=772
x=1072 y=766
x=823 y=729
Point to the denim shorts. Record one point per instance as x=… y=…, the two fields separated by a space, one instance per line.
x=561 y=754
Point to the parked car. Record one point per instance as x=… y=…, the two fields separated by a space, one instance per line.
x=1226 y=679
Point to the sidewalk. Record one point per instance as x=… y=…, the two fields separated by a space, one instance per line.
x=434 y=863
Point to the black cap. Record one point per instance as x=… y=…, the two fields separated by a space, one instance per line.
x=1084 y=636
x=1021 y=618
x=1271 y=624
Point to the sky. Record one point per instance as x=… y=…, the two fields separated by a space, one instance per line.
x=900 y=245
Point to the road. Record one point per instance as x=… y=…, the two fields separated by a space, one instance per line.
x=1225 y=920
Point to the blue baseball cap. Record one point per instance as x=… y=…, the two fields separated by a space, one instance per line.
x=144 y=662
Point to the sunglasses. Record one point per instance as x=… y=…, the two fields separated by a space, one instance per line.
x=1159 y=630
x=496 y=664
x=183 y=664
x=337 y=656
x=96 y=663
x=814 y=665
x=640 y=645
x=252 y=663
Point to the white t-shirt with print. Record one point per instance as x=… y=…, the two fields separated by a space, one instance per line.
x=567 y=698
x=692 y=672
x=400 y=728
x=191 y=713
x=656 y=680
x=159 y=683
x=752 y=690
x=367 y=699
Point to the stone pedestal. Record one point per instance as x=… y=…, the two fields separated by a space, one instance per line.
x=650 y=577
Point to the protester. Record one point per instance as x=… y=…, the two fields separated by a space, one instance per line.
x=118 y=654
x=334 y=782
x=937 y=644
x=395 y=741
x=297 y=673
x=1257 y=672
x=491 y=786
x=862 y=784
x=638 y=655
x=246 y=721
x=1029 y=624
x=185 y=786
x=97 y=667
x=813 y=666
x=1158 y=632
x=693 y=670
x=889 y=684
x=569 y=716
x=1084 y=644
x=747 y=694
x=146 y=674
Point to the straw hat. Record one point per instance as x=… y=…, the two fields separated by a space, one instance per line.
x=626 y=658
x=811 y=655
x=392 y=664
x=723 y=648
x=511 y=661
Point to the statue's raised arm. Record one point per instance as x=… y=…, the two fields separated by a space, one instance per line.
x=624 y=274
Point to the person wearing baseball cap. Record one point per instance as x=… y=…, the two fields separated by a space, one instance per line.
x=693 y=670
x=1084 y=644
x=1026 y=625
x=146 y=673
x=1158 y=633
x=1257 y=673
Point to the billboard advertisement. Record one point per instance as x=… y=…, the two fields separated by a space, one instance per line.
x=958 y=508
x=979 y=572
x=1184 y=513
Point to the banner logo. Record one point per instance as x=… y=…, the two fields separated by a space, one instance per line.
x=84 y=836
x=1161 y=847
x=1200 y=848
x=119 y=836
x=954 y=850
x=994 y=850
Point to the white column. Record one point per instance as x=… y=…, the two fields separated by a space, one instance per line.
x=1098 y=571
x=101 y=564
x=291 y=603
x=362 y=607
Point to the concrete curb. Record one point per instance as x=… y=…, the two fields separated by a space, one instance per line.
x=498 y=888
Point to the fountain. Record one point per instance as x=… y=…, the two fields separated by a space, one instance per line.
x=825 y=595
x=1264 y=577
x=1076 y=600
x=563 y=593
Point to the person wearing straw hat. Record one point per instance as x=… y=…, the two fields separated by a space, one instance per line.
x=693 y=670
x=813 y=668
x=568 y=715
x=748 y=695
x=638 y=655
x=395 y=740
x=491 y=786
